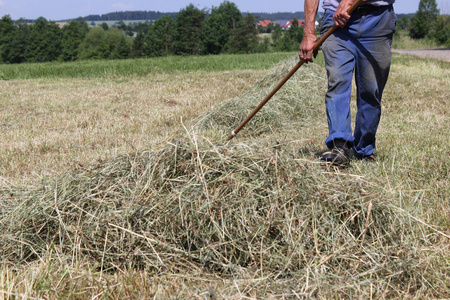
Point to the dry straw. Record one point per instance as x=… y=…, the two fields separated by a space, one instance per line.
x=228 y=209
x=297 y=104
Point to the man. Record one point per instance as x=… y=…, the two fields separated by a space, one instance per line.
x=361 y=46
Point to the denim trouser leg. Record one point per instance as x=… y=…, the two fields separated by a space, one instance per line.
x=372 y=69
x=340 y=63
x=363 y=48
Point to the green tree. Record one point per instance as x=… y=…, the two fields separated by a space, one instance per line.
x=119 y=44
x=142 y=27
x=73 y=34
x=261 y=29
x=277 y=34
x=121 y=25
x=443 y=30
x=218 y=27
x=424 y=19
x=101 y=44
x=403 y=23
x=264 y=46
x=216 y=34
x=419 y=26
x=19 y=43
x=7 y=32
x=137 y=49
x=244 y=39
x=188 y=31
x=160 y=37
x=127 y=29
x=230 y=12
x=94 y=45
x=46 y=38
x=292 y=37
x=269 y=28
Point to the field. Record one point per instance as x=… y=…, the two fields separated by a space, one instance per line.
x=117 y=181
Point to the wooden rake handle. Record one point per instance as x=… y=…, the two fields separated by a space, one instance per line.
x=316 y=48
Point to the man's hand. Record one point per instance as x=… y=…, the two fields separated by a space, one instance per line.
x=309 y=38
x=341 y=15
x=306 y=48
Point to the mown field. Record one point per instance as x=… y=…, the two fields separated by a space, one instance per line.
x=117 y=181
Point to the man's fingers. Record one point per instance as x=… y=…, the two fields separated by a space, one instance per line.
x=341 y=18
x=306 y=48
x=340 y=23
x=305 y=56
x=315 y=53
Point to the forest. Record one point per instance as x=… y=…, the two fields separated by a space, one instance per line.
x=191 y=31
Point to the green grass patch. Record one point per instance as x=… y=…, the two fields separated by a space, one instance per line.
x=142 y=67
x=403 y=41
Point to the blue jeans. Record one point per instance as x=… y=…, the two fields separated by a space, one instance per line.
x=362 y=47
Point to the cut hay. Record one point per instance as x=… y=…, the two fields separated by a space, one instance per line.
x=238 y=210
x=223 y=209
x=296 y=104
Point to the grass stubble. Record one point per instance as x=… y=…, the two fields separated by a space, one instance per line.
x=194 y=216
x=52 y=125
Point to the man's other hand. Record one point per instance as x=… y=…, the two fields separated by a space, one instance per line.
x=306 y=48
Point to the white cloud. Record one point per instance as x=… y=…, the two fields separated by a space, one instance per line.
x=121 y=6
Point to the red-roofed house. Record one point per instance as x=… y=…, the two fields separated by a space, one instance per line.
x=285 y=24
x=289 y=23
x=264 y=23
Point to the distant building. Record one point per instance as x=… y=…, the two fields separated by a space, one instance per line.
x=264 y=23
x=284 y=24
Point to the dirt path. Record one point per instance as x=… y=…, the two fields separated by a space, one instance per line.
x=441 y=54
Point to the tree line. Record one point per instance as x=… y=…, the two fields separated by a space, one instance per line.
x=193 y=31
x=129 y=15
x=154 y=15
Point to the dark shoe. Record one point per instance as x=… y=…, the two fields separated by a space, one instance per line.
x=338 y=156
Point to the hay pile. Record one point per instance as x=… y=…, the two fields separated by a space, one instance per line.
x=231 y=210
x=298 y=103
x=221 y=209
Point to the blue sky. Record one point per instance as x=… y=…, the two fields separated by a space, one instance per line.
x=62 y=9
